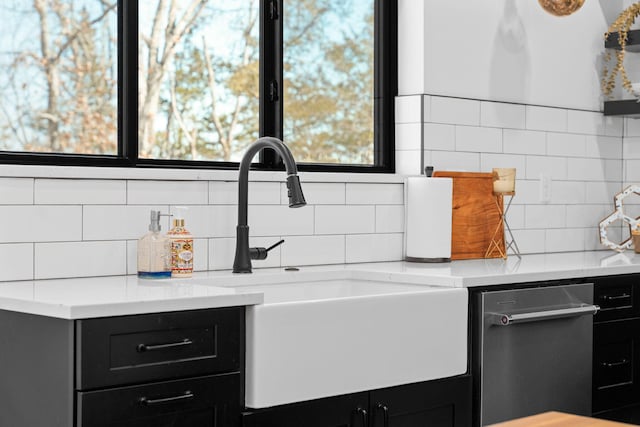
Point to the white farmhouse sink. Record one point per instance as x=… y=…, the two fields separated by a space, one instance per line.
x=324 y=338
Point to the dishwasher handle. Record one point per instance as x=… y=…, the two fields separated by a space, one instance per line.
x=505 y=319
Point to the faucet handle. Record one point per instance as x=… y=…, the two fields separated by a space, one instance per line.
x=261 y=253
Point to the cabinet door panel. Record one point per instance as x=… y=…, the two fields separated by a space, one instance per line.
x=440 y=403
x=616 y=364
x=340 y=411
x=203 y=402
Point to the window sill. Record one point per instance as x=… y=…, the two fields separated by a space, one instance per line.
x=55 y=172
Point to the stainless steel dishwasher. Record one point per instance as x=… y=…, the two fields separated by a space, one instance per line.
x=535 y=351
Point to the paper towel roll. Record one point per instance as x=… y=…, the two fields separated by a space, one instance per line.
x=428 y=219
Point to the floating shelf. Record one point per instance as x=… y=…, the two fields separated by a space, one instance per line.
x=625 y=107
x=633 y=41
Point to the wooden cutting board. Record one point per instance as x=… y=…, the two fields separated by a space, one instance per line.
x=476 y=215
x=559 y=419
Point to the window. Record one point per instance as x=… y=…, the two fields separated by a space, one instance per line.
x=191 y=83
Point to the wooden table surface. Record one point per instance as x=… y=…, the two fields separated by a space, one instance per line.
x=559 y=419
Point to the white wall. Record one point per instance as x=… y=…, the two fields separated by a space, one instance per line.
x=502 y=83
x=503 y=50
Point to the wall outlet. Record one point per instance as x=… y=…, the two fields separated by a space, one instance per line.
x=545 y=188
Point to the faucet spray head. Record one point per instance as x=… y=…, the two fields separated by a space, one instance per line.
x=296 y=197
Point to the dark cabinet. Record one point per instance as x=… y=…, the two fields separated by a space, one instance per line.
x=342 y=411
x=438 y=403
x=178 y=369
x=210 y=401
x=616 y=349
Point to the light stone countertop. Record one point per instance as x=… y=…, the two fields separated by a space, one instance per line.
x=124 y=295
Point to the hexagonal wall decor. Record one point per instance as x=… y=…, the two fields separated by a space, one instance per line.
x=619 y=215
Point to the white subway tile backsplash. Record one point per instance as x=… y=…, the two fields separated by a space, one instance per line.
x=586 y=169
x=631 y=127
x=631 y=148
x=545 y=216
x=527 y=192
x=546 y=118
x=225 y=193
x=502 y=115
x=554 y=167
x=455 y=111
x=564 y=240
x=478 y=139
x=16 y=191
x=604 y=147
x=408 y=136
x=488 y=161
x=583 y=216
x=80 y=259
x=374 y=247
x=217 y=221
x=201 y=254
x=602 y=192
x=524 y=141
x=132 y=257
x=568 y=192
x=592 y=239
x=566 y=144
x=17 y=261
x=319 y=193
x=389 y=219
x=265 y=220
x=407 y=162
x=613 y=170
x=40 y=223
x=313 y=250
x=344 y=219
x=426 y=105
x=455 y=161
x=80 y=192
x=613 y=126
x=439 y=137
x=375 y=194
x=209 y=221
x=167 y=192
x=586 y=122
x=408 y=109
x=515 y=216
x=117 y=222
x=632 y=171
x=530 y=241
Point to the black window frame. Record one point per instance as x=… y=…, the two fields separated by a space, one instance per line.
x=271 y=110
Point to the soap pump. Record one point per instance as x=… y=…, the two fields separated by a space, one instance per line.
x=181 y=245
x=154 y=251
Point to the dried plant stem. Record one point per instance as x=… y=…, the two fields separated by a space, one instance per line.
x=621 y=25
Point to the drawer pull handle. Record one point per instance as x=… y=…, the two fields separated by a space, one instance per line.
x=385 y=413
x=614 y=364
x=144 y=347
x=184 y=396
x=615 y=297
x=363 y=416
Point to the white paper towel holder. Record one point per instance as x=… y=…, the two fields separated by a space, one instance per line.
x=434 y=260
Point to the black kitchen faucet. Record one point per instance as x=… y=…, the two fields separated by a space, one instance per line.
x=244 y=254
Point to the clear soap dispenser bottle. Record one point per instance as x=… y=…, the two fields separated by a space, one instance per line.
x=181 y=245
x=154 y=252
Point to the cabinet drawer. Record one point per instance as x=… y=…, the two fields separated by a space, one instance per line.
x=212 y=401
x=135 y=349
x=616 y=374
x=618 y=297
